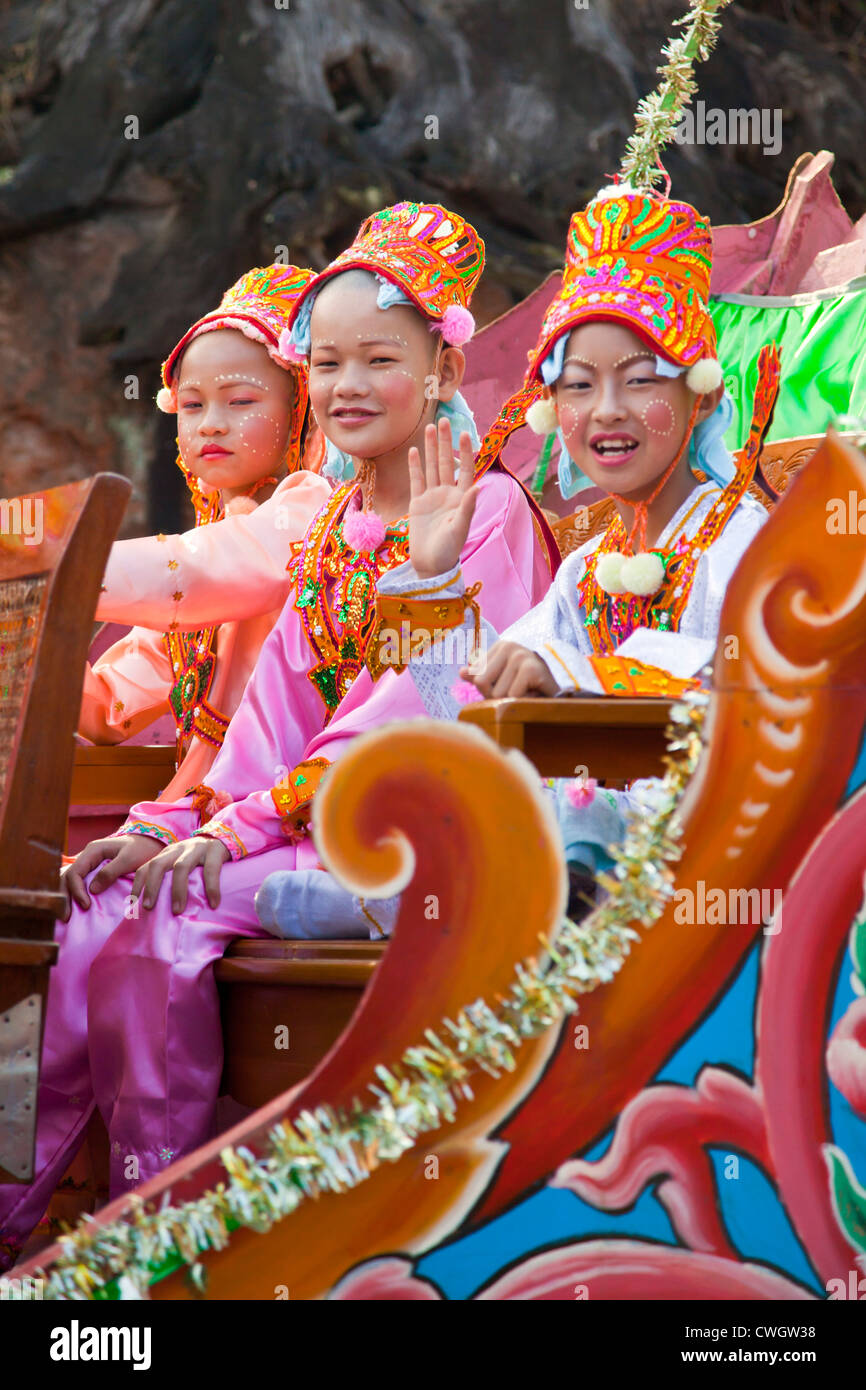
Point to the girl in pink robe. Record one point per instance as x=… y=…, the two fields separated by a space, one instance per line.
x=148 y=1050
x=235 y=438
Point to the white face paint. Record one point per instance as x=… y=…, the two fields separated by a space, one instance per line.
x=234 y=411
x=658 y=417
x=369 y=369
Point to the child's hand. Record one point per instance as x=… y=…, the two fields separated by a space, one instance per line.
x=440 y=510
x=119 y=855
x=510 y=670
x=198 y=852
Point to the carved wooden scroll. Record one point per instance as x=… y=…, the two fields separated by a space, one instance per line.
x=784 y=728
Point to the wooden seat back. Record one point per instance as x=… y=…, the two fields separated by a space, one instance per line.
x=53 y=548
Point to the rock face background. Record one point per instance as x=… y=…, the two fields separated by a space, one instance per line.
x=152 y=150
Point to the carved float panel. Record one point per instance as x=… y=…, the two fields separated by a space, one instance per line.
x=432 y=807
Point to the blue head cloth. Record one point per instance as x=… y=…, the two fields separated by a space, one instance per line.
x=457 y=412
x=300 y=335
x=551 y=367
x=337 y=465
x=569 y=477
x=707 y=449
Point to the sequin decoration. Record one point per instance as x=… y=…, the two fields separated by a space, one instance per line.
x=336 y=593
x=193 y=663
x=641 y=259
x=293 y=797
x=434 y=255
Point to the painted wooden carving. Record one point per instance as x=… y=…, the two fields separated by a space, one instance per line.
x=720 y=1084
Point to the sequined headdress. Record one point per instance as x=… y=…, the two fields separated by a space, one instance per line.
x=646 y=261
x=433 y=255
x=258 y=305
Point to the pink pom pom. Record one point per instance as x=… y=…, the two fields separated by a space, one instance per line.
x=458 y=325
x=287 y=349
x=216 y=803
x=581 y=792
x=464 y=692
x=166 y=400
x=363 y=531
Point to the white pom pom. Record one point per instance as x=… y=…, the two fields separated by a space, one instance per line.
x=614 y=190
x=608 y=572
x=642 y=574
x=704 y=376
x=166 y=401
x=541 y=417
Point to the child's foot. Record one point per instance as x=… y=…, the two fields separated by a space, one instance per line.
x=308 y=904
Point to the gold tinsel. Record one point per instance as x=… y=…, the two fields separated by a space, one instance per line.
x=658 y=115
x=323 y=1151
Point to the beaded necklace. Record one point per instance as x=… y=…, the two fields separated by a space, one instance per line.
x=336 y=592
x=192 y=654
x=611 y=618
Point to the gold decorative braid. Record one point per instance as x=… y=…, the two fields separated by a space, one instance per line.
x=417 y=618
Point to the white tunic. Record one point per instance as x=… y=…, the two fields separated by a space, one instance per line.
x=555 y=630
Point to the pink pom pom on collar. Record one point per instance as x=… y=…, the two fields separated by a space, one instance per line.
x=363 y=531
x=457 y=326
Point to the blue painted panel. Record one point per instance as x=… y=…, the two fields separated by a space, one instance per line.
x=755 y=1219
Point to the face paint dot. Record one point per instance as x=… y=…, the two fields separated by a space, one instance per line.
x=658 y=416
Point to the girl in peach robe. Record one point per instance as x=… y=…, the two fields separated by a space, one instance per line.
x=199 y=672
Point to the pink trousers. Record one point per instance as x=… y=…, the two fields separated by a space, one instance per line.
x=133 y=1026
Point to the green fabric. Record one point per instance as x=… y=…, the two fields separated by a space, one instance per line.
x=822 y=344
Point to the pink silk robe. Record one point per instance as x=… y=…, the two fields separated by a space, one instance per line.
x=148 y=1048
x=128 y=687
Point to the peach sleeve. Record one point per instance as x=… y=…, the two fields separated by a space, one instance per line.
x=126 y=689
x=226 y=572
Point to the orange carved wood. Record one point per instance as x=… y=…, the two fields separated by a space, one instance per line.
x=784 y=728
x=411 y=802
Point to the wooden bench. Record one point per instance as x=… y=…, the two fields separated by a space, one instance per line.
x=284 y=1004
x=120 y=774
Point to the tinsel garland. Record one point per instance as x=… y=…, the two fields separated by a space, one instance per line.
x=329 y=1151
x=658 y=115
